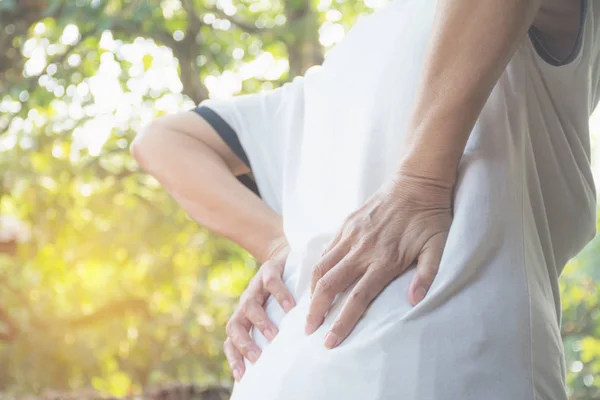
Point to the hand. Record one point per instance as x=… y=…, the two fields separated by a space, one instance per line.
x=250 y=312
x=406 y=220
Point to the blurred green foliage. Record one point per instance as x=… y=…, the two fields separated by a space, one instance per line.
x=113 y=286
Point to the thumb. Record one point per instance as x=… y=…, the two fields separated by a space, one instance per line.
x=427 y=268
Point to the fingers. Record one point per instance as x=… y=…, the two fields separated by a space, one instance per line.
x=255 y=291
x=258 y=317
x=427 y=268
x=235 y=360
x=238 y=330
x=273 y=283
x=333 y=242
x=359 y=299
x=251 y=313
x=327 y=262
x=328 y=287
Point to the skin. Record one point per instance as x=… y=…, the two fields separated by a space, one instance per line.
x=168 y=149
x=394 y=227
x=251 y=311
x=408 y=219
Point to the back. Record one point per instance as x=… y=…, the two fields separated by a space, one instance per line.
x=524 y=204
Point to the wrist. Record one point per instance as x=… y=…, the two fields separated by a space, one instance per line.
x=406 y=184
x=434 y=167
x=271 y=246
x=435 y=142
x=276 y=246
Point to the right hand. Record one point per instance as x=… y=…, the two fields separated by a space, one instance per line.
x=251 y=312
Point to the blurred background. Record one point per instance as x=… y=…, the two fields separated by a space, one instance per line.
x=105 y=284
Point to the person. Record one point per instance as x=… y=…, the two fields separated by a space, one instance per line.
x=413 y=201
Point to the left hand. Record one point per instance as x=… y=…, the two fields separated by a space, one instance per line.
x=251 y=311
x=406 y=220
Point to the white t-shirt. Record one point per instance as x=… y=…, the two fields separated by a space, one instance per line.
x=524 y=205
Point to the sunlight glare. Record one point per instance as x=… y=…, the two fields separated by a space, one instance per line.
x=74 y=60
x=238 y=53
x=85 y=189
x=209 y=18
x=8 y=140
x=178 y=35
x=36 y=63
x=93 y=134
x=70 y=35
x=227 y=6
x=107 y=42
x=324 y=5
x=39 y=29
x=331 y=33
x=29 y=46
x=169 y=7
x=333 y=15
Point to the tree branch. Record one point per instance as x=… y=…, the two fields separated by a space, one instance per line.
x=194 y=23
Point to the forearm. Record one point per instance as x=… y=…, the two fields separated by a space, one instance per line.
x=471 y=43
x=202 y=183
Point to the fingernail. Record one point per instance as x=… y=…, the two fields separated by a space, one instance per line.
x=237 y=374
x=253 y=356
x=420 y=294
x=287 y=305
x=269 y=334
x=331 y=340
x=309 y=328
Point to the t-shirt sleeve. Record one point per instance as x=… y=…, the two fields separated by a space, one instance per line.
x=256 y=127
x=229 y=136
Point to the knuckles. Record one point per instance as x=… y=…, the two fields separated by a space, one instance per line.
x=270 y=281
x=230 y=327
x=324 y=287
x=246 y=307
x=235 y=320
x=359 y=297
x=319 y=270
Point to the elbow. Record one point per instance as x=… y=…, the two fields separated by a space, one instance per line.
x=135 y=148
x=145 y=146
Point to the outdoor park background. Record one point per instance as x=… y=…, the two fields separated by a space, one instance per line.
x=104 y=282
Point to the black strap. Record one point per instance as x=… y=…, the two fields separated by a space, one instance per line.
x=231 y=139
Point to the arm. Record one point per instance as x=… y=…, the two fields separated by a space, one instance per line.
x=408 y=219
x=185 y=154
x=471 y=44
x=196 y=167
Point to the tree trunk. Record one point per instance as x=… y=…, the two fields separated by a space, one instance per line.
x=304 y=48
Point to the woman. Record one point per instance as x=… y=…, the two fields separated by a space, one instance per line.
x=441 y=139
